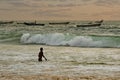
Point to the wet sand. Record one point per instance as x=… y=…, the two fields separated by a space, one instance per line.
x=12 y=76
x=19 y=62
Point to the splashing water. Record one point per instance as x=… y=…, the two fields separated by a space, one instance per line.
x=70 y=40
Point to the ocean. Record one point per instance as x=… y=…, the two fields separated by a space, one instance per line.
x=106 y=35
x=73 y=53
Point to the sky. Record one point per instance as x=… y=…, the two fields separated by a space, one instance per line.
x=59 y=9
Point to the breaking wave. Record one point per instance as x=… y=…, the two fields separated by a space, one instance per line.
x=69 y=40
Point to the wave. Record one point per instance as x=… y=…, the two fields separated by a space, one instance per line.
x=69 y=40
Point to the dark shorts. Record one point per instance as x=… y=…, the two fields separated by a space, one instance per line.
x=39 y=59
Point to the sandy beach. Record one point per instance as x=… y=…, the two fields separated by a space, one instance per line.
x=19 y=62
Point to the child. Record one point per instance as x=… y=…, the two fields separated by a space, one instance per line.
x=40 y=55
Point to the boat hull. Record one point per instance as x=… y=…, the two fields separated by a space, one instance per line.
x=59 y=23
x=89 y=25
x=34 y=24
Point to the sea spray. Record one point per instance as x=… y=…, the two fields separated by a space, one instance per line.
x=48 y=39
x=25 y=37
x=70 y=40
x=83 y=41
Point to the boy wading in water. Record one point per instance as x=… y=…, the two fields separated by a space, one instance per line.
x=40 y=55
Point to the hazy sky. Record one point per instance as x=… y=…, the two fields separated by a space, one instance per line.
x=59 y=9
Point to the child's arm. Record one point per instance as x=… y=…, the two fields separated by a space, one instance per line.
x=45 y=58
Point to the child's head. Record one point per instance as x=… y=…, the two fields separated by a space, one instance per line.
x=41 y=49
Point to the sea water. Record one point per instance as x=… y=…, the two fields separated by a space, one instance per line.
x=71 y=40
x=70 y=50
x=65 y=61
x=106 y=35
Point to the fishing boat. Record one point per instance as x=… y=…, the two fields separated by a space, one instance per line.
x=59 y=23
x=91 y=24
x=33 y=24
x=10 y=22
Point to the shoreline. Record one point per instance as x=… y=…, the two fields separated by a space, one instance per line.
x=12 y=76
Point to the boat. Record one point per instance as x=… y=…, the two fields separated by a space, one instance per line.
x=91 y=24
x=10 y=22
x=20 y=23
x=33 y=24
x=59 y=23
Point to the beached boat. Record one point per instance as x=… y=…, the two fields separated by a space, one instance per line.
x=59 y=23
x=91 y=24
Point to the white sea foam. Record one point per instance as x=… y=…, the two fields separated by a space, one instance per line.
x=25 y=37
x=22 y=59
x=83 y=41
x=59 y=39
